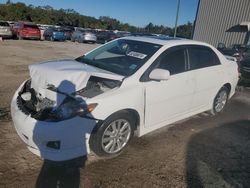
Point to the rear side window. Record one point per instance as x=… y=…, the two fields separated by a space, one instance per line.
x=173 y=61
x=31 y=26
x=4 y=24
x=201 y=57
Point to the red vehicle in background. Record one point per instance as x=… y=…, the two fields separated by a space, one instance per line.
x=26 y=30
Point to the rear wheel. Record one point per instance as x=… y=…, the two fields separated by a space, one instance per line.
x=220 y=101
x=110 y=139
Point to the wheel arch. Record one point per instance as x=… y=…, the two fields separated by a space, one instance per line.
x=135 y=116
x=95 y=134
x=134 y=113
x=229 y=87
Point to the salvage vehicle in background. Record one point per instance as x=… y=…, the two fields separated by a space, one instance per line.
x=132 y=85
x=239 y=51
x=54 y=34
x=67 y=32
x=244 y=69
x=106 y=36
x=5 y=30
x=26 y=30
x=121 y=34
x=76 y=35
x=82 y=35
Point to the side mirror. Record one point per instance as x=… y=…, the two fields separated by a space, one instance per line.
x=159 y=74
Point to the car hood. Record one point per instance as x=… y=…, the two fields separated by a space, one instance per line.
x=67 y=76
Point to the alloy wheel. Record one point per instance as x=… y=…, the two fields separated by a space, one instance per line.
x=220 y=101
x=116 y=136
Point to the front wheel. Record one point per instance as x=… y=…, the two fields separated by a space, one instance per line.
x=220 y=101
x=110 y=139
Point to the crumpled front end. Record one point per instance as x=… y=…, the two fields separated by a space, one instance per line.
x=56 y=141
x=51 y=112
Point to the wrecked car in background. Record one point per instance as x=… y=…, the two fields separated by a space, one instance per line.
x=128 y=86
x=83 y=35
x=54 y=34
x=26 y=30
x=244 y=69
x=5 y=30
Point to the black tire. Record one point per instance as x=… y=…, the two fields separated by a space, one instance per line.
x=222 y=91
x=96 y=138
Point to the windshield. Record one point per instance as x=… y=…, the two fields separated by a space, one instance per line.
x=122 y=56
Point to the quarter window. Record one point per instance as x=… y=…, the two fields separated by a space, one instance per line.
x=201 y=57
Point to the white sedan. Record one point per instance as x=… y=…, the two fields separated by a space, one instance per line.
x=130 y=86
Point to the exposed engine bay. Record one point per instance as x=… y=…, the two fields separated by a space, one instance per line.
x=96 y=86
x=32 y=103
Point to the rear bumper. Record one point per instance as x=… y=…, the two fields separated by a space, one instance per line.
x=6 y=34
x=59 y=38
x=31 y=36
x=73 y=134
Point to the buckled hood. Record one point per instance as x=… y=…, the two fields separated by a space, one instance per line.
x=67 y=76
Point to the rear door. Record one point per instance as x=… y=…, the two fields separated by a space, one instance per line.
x=206 y=66
x=168 y=99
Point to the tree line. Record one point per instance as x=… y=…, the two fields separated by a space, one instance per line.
x=69 y=17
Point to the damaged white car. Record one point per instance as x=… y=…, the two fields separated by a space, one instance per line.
x=132 y=85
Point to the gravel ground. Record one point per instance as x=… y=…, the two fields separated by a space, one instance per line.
x=203 y=151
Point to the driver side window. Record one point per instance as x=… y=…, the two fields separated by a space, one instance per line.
x=173 y=60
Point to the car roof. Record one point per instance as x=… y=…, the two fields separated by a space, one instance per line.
x=165 y=40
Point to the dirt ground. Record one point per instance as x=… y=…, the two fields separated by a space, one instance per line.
x=203 y=151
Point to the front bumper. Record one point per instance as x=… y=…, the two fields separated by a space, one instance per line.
x=31 y=36
x=73 y=134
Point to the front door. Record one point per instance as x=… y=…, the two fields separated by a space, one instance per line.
x=169 y=99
